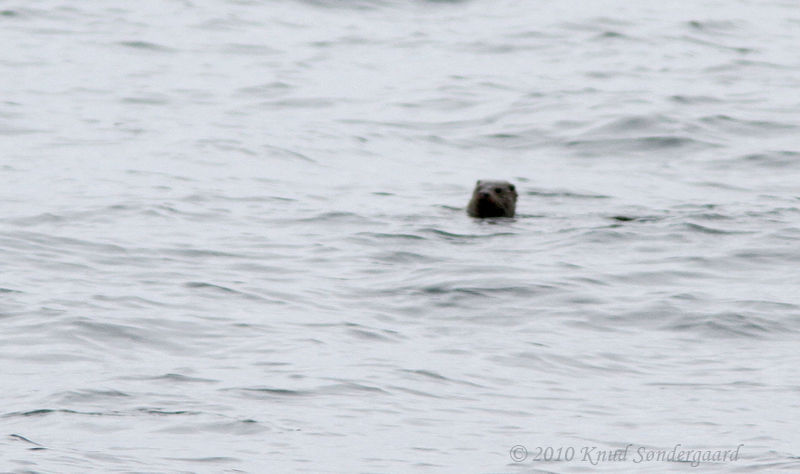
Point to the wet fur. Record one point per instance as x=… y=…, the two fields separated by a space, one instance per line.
x=493 y=199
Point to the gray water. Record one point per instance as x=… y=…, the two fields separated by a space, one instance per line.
x=233 y=235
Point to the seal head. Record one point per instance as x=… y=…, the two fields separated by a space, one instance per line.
x=493 y=199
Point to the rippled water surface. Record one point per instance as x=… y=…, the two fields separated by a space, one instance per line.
x=233 y=234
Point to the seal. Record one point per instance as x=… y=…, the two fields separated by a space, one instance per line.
x=493 y=199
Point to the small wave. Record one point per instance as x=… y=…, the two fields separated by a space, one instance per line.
x=270 y=89
x=401 y=237
x=527 y=290
x=349 y=5
x=422 y=393
x=207 y=460
x=767 y=256
x=512 y=140
x=695 y=99
x=160 y=412
x=775 y=159
x=399 y=256
x=50 y=411
x=624 y=218
x=18 y=437
x=145 y=45
x=428 y=375
x=224 y=289
x=25 y=240
x=715 y=26
x=595 y=24
x=564 y=194
x=225 y=146
x=129 y=301
x=280 y=392
x=154 y=99
x=635 y=124
x=704 y=229
x=333 y=216
x=198 y=253
x=484 y=47
x=738 y=65
x=369 y=335
x=452 y=236
x=737 y=126
x=277 y=151
x=716 y=45
x=610 y=145
x=610 y=233
x=87 y=396
x=248 y=49
x=5 y=130
x=660 y=277
x=343 y=388
x=727 y=325
x=612 y=35
x=171 y=378
x=302 y=103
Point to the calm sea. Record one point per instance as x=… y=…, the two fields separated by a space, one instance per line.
x=233 y=236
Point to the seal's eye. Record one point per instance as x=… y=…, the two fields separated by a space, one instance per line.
x=498 y=190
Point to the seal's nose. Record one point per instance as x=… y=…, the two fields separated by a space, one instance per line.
x=483 y=194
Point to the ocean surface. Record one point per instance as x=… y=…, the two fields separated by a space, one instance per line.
x=233 y=236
